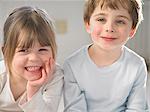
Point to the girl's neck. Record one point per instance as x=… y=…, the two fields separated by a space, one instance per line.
x=103 y=57
x=17 y=86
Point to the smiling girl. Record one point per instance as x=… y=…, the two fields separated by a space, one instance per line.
x=32 y=81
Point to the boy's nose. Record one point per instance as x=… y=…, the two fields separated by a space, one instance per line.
x=107 y=30
x=109 y=27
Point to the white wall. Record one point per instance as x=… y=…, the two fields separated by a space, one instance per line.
x=0 y=30
x=72 y=10
x=148 y=28
x=1 y=23
x=140 y=43
x=62 y=9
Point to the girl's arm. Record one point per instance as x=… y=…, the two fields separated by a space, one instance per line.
x=47 y=98
x=47 y=73
x=74 y=98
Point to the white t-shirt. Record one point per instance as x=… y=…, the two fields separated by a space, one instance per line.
x=115 y=88
x=45 y=100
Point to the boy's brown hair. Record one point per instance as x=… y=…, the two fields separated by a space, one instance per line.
x=134 y=7
x=23 y=27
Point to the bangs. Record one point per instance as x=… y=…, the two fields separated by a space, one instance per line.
x=114 y=4
x=32 y=33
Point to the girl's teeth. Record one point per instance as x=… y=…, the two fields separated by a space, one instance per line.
x=31 y=69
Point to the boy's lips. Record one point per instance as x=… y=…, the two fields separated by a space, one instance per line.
x=108 y=38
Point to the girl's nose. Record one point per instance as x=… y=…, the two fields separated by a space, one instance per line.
x=33 y=56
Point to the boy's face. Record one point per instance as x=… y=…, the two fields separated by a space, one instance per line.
x=110 y=29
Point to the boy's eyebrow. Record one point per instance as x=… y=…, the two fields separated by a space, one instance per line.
x=103 y=14
x=98 y=14
x=122 y=16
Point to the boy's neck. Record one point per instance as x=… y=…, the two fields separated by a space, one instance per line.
x=104 y=57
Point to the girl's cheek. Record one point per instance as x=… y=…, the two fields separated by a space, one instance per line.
x=47 y=60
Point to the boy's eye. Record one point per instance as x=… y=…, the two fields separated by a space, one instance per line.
x=101 y=19
x=120 y=22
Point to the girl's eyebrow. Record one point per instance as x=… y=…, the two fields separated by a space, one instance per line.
x=19 y=47
x=45 y=47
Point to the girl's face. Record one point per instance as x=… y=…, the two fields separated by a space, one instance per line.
x=27 y=63
x=110 y=29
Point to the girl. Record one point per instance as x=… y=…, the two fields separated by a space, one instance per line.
x=31 y=81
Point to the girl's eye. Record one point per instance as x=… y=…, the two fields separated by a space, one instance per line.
x=43 y=49
x=23 y=50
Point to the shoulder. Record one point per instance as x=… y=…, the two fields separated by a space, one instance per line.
x=57 y=79
x=3 y=74
x=2 y=66
x=133 y=57
x=58 y=74
x=77 y=57
x=2 y=70
x=3 y=79
x=58 y=71
x=135 y=64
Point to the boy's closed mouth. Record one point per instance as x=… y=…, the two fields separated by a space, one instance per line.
x=108 y=38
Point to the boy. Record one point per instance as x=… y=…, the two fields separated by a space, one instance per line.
x=106 y=76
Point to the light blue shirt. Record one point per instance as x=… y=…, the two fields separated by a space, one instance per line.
x=120 y=87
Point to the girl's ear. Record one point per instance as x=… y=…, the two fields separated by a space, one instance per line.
x=2 y=48
x=87 y=26
x=132 y=32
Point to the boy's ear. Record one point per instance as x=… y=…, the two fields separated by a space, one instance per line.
x=132 y=32
x=87 y=26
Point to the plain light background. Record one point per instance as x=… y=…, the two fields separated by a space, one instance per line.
x=71 y=11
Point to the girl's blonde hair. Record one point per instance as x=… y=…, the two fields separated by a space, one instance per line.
x=33 y=24
x=134 y=7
